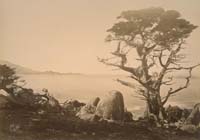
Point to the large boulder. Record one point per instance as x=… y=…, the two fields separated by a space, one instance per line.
x=93 y=102
x=111 y=107
x=185 y=114
x=194 y=117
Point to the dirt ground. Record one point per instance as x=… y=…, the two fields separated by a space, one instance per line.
x=23 y=124
x=63 y=135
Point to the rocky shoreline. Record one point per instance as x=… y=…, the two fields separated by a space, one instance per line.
x=98 y=119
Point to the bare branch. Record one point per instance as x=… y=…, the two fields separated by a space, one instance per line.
x=149 y=49
x=131 y=85
x=144 y=84
x=171 y=91
x=168 y=62
x=120 y=54
x=160 y=59
x=183 y=68
x=153 y=63
x=141 y=98
x=126 y=83
x=138 y=80
x=168 y=82
x=126 y=41
x=125 y=68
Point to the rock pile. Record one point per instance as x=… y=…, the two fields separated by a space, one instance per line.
x=192 y=123
x=87 y=112
x=109 y=108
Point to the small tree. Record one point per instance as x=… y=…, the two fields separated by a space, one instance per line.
x=8 y=78
x=157 y=36
x=18 y=95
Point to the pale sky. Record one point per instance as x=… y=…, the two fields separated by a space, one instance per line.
x=68 y=35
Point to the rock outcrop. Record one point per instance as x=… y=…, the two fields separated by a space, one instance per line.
x=194 y=117
x=128 y=116
x=72 y=106
x=52 y=104
x=93 y=102
x=110 y=108
x=87 y=112
x=176 y=114
x=192 y=123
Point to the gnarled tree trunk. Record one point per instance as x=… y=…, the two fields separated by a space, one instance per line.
x=155 y=107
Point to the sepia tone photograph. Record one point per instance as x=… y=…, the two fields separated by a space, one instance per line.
x=99 y=70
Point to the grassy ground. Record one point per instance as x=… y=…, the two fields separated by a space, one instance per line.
x=21 y=124
x=135 y=134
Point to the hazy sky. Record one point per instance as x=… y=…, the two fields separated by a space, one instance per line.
x=68 y=35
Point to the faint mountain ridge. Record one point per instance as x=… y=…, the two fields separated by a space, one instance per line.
x=24 y=70
x=19 y=69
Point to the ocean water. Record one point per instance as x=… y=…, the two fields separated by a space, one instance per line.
x=86 y=87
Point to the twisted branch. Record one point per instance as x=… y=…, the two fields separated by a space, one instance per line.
x=171 y=91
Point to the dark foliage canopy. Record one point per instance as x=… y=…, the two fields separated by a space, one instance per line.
x=7 y=76
x=163 y=27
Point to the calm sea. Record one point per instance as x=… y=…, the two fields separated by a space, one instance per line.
x=85 y=87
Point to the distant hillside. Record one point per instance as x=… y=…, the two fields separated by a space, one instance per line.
x=19 y=69
x=23 y=70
